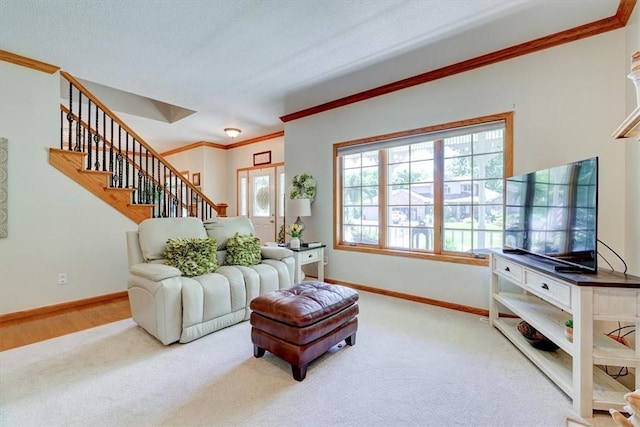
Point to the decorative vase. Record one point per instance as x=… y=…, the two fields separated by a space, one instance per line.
x=568 y=332
x=294 y=243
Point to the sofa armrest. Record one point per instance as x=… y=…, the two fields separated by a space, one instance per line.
x=155 y=296
x=277 y=253
x=154 y=272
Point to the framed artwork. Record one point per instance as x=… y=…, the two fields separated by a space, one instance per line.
x=195 y=179
x=263 y=158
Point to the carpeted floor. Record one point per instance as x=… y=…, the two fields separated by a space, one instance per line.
x=412 y=365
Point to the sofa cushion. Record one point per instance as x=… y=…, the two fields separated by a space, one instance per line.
x=193 y=256
x=154 y=233
x=270 y=252
x=222 y=229
x=243 y=250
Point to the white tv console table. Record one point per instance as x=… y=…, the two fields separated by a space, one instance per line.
x=530 y=288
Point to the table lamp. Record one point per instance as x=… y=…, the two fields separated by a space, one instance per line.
x=299 y=208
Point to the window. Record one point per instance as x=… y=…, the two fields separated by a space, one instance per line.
x=428 y=192
x=243 y=195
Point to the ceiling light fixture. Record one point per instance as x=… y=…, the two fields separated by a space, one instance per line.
x=232 y=132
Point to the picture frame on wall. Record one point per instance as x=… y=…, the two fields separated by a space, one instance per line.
x=195 y=179
x=262 y=158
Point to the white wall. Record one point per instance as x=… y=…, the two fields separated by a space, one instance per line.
x=214 y=175
x=190 y=160
x=567 y=102
x=55 y=225
x=632 y=223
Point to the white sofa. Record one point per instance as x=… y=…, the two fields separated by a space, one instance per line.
x=175 y=308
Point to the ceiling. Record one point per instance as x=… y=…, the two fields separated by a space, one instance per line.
x=246 y=63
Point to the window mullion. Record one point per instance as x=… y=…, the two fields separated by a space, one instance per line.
x=338 y=191
x=438 y=195
x=382 y=198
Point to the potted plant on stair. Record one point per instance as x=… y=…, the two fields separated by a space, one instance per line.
x=568 y=329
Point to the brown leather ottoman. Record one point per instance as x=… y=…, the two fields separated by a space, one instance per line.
x=302 y=322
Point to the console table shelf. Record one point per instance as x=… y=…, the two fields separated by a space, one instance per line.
x=530 y=288
x=558 y=366
x=545 y=318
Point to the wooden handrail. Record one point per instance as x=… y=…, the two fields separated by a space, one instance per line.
x=107 y=143
x=220 y=209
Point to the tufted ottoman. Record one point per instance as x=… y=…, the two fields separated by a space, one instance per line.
x=302 y=322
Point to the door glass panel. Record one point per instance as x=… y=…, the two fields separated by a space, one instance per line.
x=261 y=206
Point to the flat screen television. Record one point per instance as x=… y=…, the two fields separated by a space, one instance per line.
x=553 y=213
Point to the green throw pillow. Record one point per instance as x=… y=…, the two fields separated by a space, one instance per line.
x=243 y=250
x=192 y=256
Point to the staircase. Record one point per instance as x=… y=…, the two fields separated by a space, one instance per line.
x=102 y=154
x=70 y=163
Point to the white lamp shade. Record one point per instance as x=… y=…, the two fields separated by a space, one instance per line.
x=299 y=207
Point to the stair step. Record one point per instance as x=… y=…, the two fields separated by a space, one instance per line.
x=139 y=213
x=71 y=163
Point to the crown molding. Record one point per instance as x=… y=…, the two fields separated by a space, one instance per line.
x=619 y=20
x=221 y=146
x=254 y=140
x=625 y=9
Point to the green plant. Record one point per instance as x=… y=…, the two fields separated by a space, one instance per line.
x=569 y=323
x=281 y=234
x=303 y=186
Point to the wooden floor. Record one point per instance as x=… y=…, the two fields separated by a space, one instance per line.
x=19 y=332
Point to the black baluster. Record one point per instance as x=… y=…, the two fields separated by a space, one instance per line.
x=126 y=151
x=163 y=179
x=89 y=137
x=156 y=183
x=104 y=141
x=118 y=158
x=79 y=125
x=181 y=196
x=146 y=167
x=141 y=189
x=96 y=139
x=133 y=154
x=111 y=153
x=140 y=168
x=70 y=113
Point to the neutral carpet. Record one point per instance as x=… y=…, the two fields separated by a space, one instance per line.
x=412 y=365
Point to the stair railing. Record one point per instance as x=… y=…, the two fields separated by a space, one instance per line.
x=88 y=126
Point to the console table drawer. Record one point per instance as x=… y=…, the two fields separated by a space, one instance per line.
x=310 y=256
x=509 y=269
x=548 y=288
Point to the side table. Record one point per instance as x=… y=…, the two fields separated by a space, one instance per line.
x=304 y=256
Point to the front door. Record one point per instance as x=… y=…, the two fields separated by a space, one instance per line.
x=262 y=202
